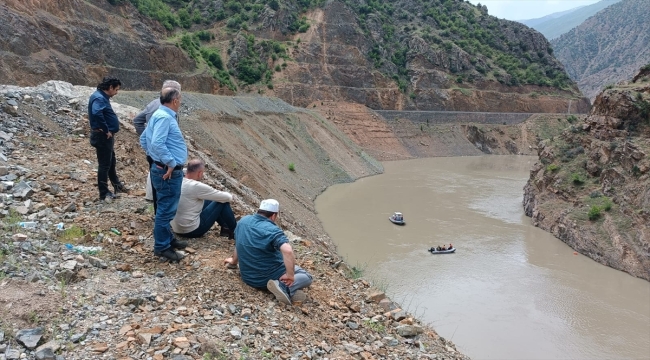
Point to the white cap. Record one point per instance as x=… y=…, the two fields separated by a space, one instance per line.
x=271 y=205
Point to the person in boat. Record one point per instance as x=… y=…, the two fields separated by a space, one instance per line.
x=450 y=246
x=438 y=248
x=443 y=248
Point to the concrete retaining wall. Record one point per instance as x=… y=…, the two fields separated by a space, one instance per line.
x=454 y=117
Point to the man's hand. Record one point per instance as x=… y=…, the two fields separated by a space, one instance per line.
x=168 y=174
x=287 y=279
x=230 y=263
x=109 y=135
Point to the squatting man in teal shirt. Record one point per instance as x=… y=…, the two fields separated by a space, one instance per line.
x=265 y=256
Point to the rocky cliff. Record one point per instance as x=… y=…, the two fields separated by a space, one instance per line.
x=591 y=185
x=444 y=55
x=607 y=48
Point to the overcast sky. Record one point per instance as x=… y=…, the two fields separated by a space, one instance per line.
x=529 y=9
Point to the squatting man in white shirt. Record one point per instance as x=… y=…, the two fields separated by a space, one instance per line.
x=200 y=206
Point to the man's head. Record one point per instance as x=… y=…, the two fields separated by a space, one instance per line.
x=171 y=98
x=171 y=84
x=195 y=169
x=269 y=208
x=110 y=86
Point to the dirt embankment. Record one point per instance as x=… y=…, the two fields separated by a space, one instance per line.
x=398 y=139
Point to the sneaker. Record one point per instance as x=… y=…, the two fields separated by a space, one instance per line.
x=109 y=197
x=178 y=244
x=120 y=188
x=170 y=255
x=299 y=296
x=274 y=287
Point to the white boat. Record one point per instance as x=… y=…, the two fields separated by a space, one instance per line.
x=397 y=218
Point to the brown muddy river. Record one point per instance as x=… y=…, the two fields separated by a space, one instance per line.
x=511 y=290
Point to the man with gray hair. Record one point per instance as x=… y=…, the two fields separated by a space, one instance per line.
x=164 y=143
x=140 y=122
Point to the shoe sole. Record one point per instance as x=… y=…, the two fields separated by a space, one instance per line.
x=280 y=295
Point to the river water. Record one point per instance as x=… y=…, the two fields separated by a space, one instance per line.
x=511 y=290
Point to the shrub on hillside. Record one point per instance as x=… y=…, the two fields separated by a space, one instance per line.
x=594 y=213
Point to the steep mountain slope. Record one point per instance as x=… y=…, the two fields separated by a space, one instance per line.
x=538 y=21
x=441 y=54
x=607 y=48
x=591 y=186
x=554 y=26
x=80 y=41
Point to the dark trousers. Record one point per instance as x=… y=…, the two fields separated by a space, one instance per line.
x=153 y=188
x=212 y=212
x=105 y=162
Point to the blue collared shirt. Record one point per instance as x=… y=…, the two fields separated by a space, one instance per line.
x=258 y=248
x=101 y=114
x=162 y=138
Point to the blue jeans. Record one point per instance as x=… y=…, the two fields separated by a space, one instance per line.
x=168 y=192
x=301 y=280
x=212 y=212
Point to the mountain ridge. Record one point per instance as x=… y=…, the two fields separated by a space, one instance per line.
x=553 y=28
x=607 y=48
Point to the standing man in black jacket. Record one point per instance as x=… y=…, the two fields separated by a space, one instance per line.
x=104 y=124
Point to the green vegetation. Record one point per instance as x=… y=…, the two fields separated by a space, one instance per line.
x=594 y=213
x=11 y=220
x=375 y=326
x=552 y=168
x=577 y=179
x=239 y=14
x=292 y=167
x=643 y=107
x=72 y=233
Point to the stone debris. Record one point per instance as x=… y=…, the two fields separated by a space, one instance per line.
x=29 y=338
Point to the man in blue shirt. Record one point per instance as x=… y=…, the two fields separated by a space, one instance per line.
x=140 y=122
x=103 y=127
x=163 y=141
x=265 y=256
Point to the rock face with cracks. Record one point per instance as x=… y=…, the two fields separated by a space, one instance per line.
x=590 y=186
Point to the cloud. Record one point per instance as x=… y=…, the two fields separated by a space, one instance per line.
x=529 y=9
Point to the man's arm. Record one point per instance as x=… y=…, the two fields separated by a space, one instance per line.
x=97 y=111
x=140 y=122
x=289 y=264
x=206 y=192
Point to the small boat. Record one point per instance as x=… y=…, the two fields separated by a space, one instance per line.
x=397 y=218
x=448 y=251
